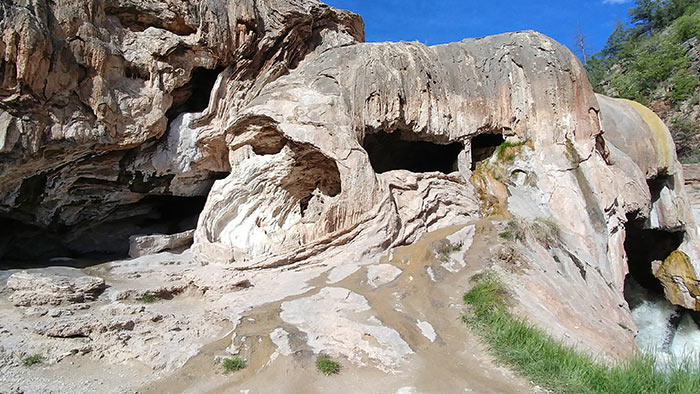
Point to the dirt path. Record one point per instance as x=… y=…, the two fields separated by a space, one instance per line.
x=455 y=362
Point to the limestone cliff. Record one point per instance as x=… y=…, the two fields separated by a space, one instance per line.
x=299 y=155
x=97 y=98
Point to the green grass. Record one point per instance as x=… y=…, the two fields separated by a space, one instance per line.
x=501 y=150
x=559 y=368
x=445 y=254
x=31 y=360
x=506 y=235
x=148 y=298
x=327 y=365
x=233 y=364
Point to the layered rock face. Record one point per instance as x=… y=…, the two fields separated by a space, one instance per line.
x=383 y=145
x=661 y=214
x=98 y=98
x=120 y=118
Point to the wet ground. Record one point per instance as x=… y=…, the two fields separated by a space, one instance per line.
x=420 y=308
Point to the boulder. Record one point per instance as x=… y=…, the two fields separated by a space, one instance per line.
x=141 y=245
x=379 y=138
x=31 y=289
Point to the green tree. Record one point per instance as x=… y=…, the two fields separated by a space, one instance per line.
x=687 y=26
x=616 y=41
x=647 y=16
x=596 y=71
x=674 y=9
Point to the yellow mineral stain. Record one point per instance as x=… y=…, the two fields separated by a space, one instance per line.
x=492 y=193
x=673 y=271
x=664 y=145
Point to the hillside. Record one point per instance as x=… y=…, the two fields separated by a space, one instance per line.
x=656 y=61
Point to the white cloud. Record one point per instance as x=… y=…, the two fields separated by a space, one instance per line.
x=616 y=1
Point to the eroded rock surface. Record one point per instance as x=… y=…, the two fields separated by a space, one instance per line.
x=330 y=321
x=407 y=101
x=297 y=157
x=141 y=245
x=27 y=289
x=663 y=205
x=99 y=98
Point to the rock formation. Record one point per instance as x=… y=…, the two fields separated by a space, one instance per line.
x=98 y=102
x=27 y=289
x=301 y=155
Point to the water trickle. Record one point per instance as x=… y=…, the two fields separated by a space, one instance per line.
x=665 y=330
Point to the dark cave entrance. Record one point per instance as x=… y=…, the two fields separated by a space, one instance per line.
x=29 y=246
x=643 y=246
x=642 y=289
x=659 y=322
x=173 y=213
x=396 y=151
x=195 y=94
x=483 y=147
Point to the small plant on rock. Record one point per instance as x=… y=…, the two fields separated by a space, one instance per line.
x=506 y=235
x=31 y=360
x=148 y=298
x=506 y=151
x=327 y=365
x=233 y=364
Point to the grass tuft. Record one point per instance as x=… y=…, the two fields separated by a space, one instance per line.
x=148 y=298
x=506 y=235
x=504 y=152
x=31 y=360
x=445 y=253
x=233 y=364
x=559 y=368
x=327 y=365
x=543 y=230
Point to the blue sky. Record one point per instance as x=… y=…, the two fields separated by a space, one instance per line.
x=437 y=22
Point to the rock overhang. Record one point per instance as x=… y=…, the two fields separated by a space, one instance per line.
x=91 y=88
x=431 y=95
x=287 y=125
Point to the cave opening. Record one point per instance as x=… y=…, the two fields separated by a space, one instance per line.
x=658 y=184
x=483 y=147
x=172 y=213
x=643 y=246
x=33 y=246
x=195 y=94
x=661 y=325
x=398 y=151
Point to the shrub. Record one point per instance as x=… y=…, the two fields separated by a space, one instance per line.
x=148 y=298
x=684 y=85
x=31 y=360
x=685 y=133
x=543 y=230
x=506 y=235
x=687 y=27
x=233 y=364
x=327 y=365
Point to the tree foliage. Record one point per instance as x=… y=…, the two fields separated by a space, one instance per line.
x=652 y=16
x=636 y=60
x=648 y=60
